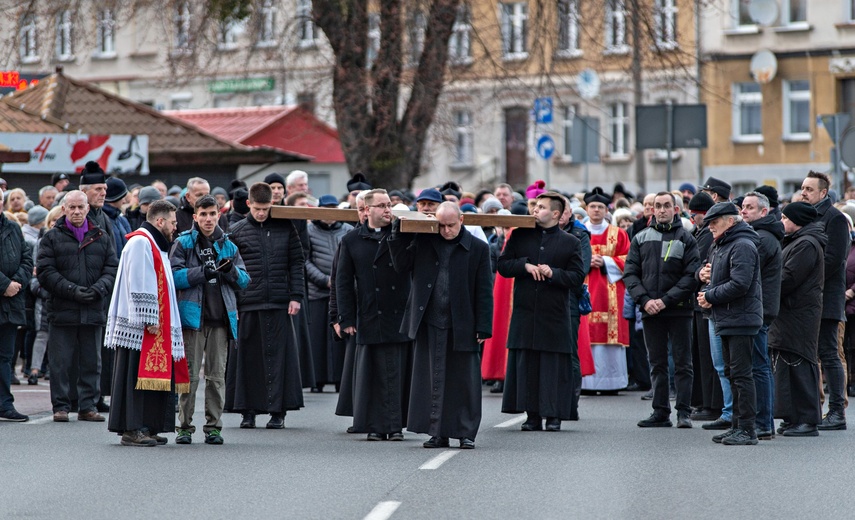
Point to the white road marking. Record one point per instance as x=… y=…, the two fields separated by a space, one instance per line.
x=40 y=420
x=439 y=460
x=33 y=391
x=511 y=422
x=383 y=510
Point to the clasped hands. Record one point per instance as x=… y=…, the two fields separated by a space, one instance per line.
x=539 y=272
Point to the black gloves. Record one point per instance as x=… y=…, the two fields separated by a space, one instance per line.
x=86 y=295
x=210 y=274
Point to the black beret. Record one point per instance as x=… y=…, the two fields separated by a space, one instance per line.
x=597 y=195
x=701 y=203
x=801 y=213
x=721 y=209
x=358 y=182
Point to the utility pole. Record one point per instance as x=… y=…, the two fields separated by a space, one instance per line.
x=635 y=17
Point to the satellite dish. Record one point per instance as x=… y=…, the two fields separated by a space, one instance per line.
x=847 y=148
x=764 y=66
x=588 y=84
x=763 y=12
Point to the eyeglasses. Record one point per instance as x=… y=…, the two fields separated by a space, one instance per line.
x=381 y=206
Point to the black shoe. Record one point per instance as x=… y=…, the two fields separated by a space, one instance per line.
x=15 y=380
x=276 y=422
x=704 y=414
x=850 y=391
x=467 y=444
x=718 y=424
x=351 y=429
x=436 y=442
x=833 y=420
x=648 y=396
x=101 y=406
x=376 y=437
x=683 y=420
x=765 y=435
x=783 y=427
x=553 y=424
x=802 y=430
x=740 y=437
x=656 y=421
x=634 y=387
x=33 y=379
x=498 y=387
x=248 y=420
x=12 y=415
x=397 y=436
x=532 y=424
x=720 y=437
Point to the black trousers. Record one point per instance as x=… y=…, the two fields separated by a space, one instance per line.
x=832 y=367
x=639 y=365
x=76 y=347
x=706 y=383
x=737 y=354
x=657 y=333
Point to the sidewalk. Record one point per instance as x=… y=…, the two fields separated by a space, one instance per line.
x=31 y=399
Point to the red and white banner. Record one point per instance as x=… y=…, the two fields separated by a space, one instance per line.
x=51 y=153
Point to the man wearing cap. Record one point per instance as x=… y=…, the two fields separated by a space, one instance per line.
x=136 y=216
x=277 y=184
x=793 y=343
x=451 y=192
x=93 y=182
x=59 y=181
x=735 y=298
x=717 y=189
x=688 y=191
x=196 y=187
x=356 y=184
x=47 y=196
x=239 y=207
x=429 y=200
x=324 y=238
x=755 y=211
x=659 y=275
x=609 y=334
x=836 y=228
x=35 y=223
x=115 y=198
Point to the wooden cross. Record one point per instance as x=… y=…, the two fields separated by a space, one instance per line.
x=411 y=221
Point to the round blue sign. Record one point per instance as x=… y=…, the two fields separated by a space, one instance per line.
x=545 y=147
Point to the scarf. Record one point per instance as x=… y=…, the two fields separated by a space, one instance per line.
x=79 y=232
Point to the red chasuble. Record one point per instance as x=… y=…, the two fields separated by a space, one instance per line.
x=605 y=323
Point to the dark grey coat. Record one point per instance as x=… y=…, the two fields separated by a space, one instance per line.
x=771 y=232
x=836 y=228
x=323 y=245
x=16 y=265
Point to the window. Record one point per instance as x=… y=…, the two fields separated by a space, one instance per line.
x=227 y=35
x=308 y=32
x=64 y=36
x=616 y=27
x=106 y=41
x=267 y=25
x=514 y=30
x=619 y=129
x=180 y=101
x=569 y=114
x=373 y=38
x=568 y=28
x=666 y=24
x=797 y=118
x=416 y=30
x=740 y=15
x=460 y=43
x=462 y=138
x=181 y=23
x=747 y=103
x=794 y=12
x=28 y=39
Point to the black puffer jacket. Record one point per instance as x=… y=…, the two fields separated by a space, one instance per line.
x=323 y=245
x=64 y=264
x=16 y=265
x=771 y=232
x=703 y=236
x=273 y=258
x=661 y=263
x=735 y=291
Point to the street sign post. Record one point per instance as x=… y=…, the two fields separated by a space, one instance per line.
x=584 y=142
x=669 y=126
x=836 y=125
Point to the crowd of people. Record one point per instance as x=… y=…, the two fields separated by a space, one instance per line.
x=734 y=308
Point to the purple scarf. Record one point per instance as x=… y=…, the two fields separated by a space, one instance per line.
x=79 y=232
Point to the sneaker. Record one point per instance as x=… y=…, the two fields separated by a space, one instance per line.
x=683 y=420
x=783 y=427
x=720 y=437
x=741 y=437
x=137 y=438
x=184 y=437
x=12 y=415
x=467 y=444
x=833 y=420
x=704 y=414
x=397 y=436
x=159 y=439
x=648 y=396
x=656 y=421
x=213 y=437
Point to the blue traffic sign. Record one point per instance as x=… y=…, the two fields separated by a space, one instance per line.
x=545 y=147
x=543 y=110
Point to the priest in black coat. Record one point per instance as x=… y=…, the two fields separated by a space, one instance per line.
x=546 y=264
x=449 y=313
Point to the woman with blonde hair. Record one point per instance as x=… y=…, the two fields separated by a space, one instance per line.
x=15 y=200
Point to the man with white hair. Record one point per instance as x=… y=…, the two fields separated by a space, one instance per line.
x=197 y=187
x=297 y=180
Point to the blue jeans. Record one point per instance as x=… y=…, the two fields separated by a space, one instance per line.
x=718 y=363
x=761 y=370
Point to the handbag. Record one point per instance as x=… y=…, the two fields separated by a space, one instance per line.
x=585 y=307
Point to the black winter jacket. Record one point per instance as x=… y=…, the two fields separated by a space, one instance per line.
x=64 y=264
x=703 y=236
x=323 y=245
x=771 y=232
x=184 y=216
x=16 y=265
x=661 y=263
x=735 y=291
x=836 y=228
x=273 y=258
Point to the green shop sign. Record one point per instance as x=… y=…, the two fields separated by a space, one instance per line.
x=229 y=86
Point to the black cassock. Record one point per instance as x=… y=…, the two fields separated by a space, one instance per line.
x=132 y=409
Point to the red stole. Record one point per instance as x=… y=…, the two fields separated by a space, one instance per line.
x=155 y=369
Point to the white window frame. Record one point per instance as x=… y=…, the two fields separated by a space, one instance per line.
x=227 y=35
x=666 y=24
x=64 y=36
x=570 y=112
x=568 y=29
x=740 y=99
x=750 y=26
x=416 y=34
x=181 y=20
x=463 y=139
x=615 y=28
x=308 y=33
x=514 y=23
x=460 y=42
x=180 y=100
x=28 y=39
x=790 y=96
x=619 y=130
x=373 y=39
x=105 y=34
x=787 y=15
x=267 y=25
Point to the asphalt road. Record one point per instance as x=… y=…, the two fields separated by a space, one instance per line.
x=603 y=466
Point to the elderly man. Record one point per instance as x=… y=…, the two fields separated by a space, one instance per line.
x=735 y=298
x=646 y=215
x=449 y=314
x=836 y=228
x=505 y=194
x=660 y=277
x=197 y=188
x=277 y=186
x=77 y=266
x=297 y=180
x=546 y=265
x=93 y=182
x=47 y=196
